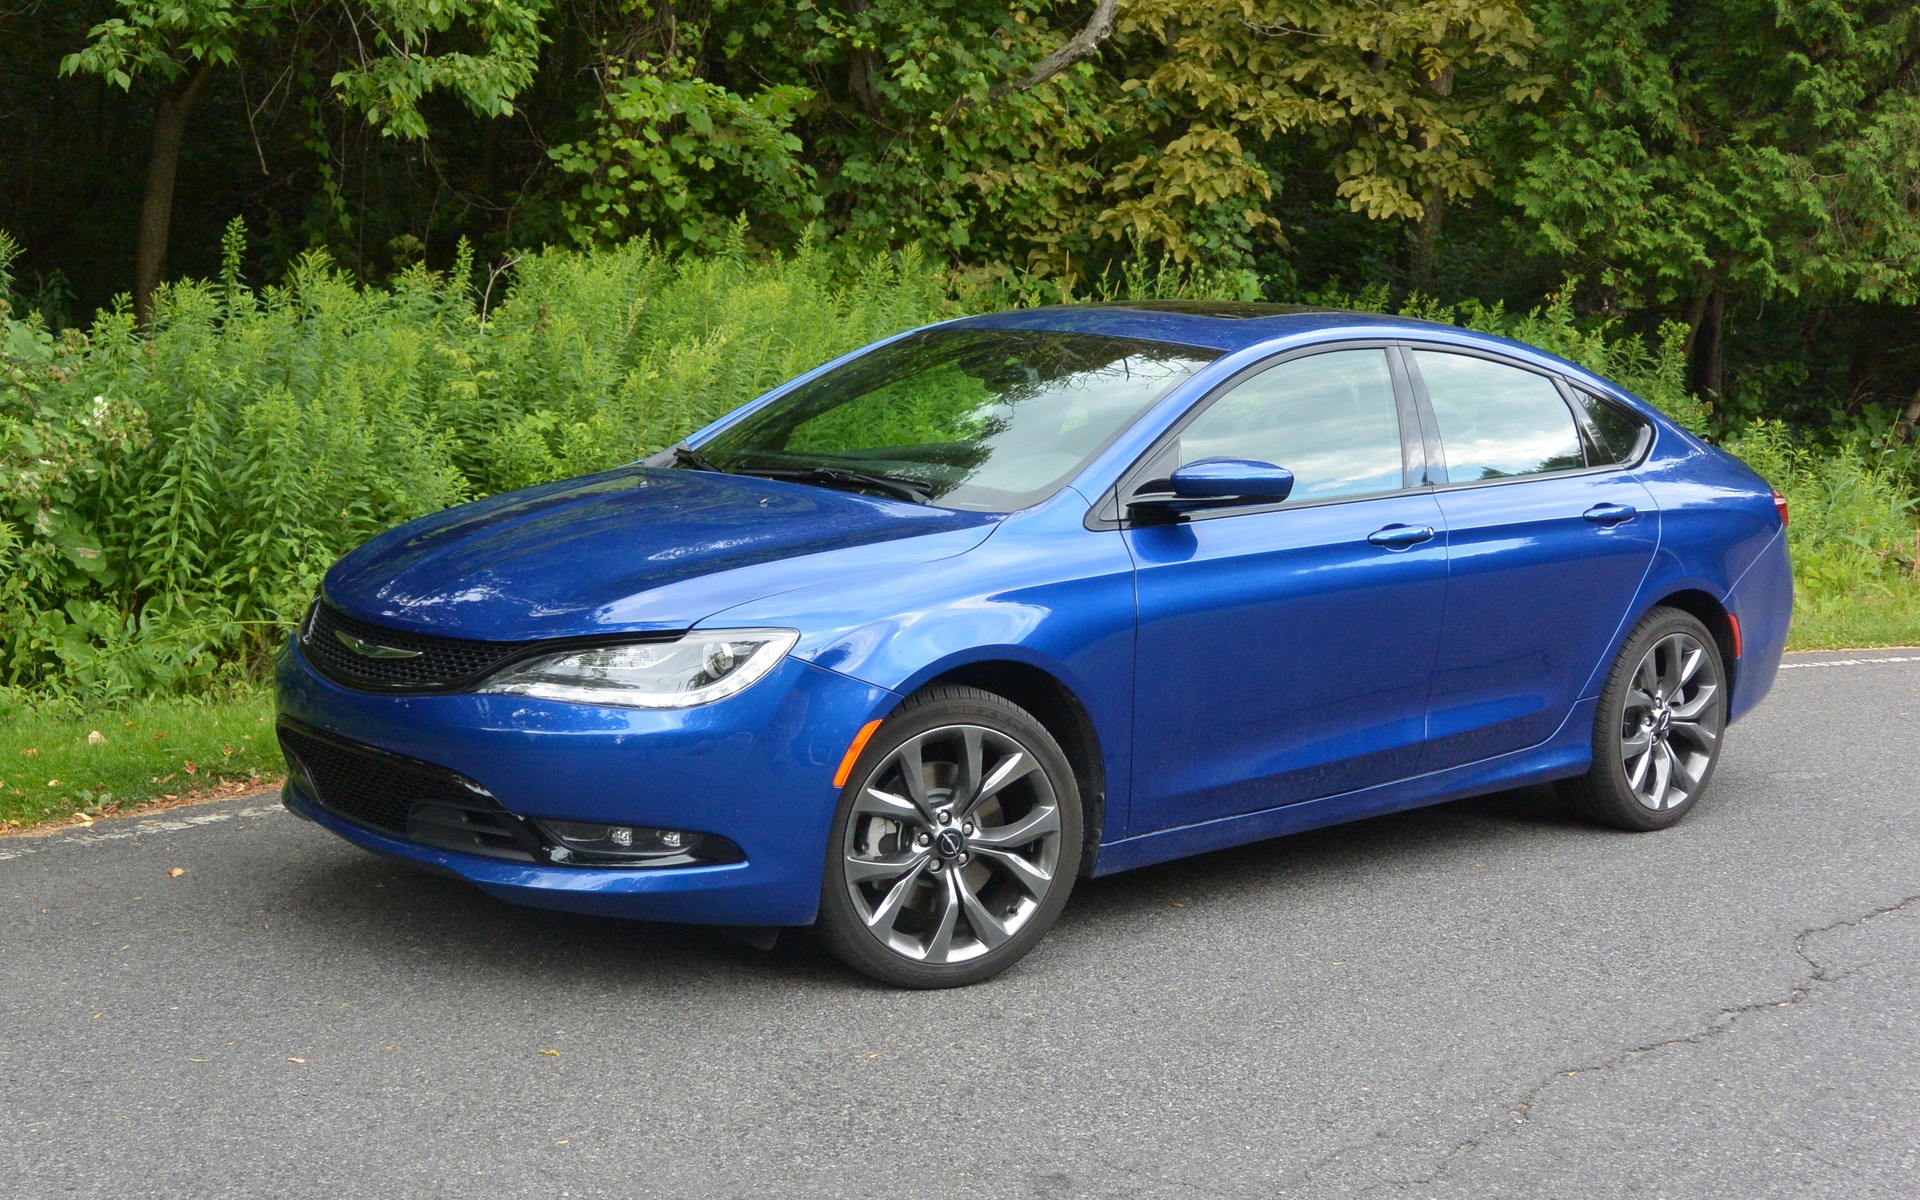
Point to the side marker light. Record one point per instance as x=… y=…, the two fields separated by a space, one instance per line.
x=853 y=753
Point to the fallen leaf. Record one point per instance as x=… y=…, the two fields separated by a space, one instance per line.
x=561 y=1141
x=53 y=783
x=96 y=738
x=189 y=766
x=196 y=1060
x=176 y=872
x=554 y=1053
x=160 y=735
x=96 y=1016
x=29 y=752
x=301 y=1061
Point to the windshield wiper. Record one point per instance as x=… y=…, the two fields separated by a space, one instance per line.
x=898 y=486
x=684 y=455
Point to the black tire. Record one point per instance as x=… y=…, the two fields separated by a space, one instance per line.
x=1656 y=788
x=889 y=925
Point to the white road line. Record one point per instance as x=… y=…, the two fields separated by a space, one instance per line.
x=28 y=846
x=1851 y=662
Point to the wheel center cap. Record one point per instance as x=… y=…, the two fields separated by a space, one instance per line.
x=949 y=843
x=1662 y=720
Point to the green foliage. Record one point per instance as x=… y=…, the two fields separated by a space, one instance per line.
x=1855 y=535
x=392 y=67
x=671 y=152
x=1373 y=85
x=1769 y=146
x=173 y=496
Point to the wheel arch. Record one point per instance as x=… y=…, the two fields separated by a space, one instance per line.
x=1055 y=706
x=1710 y=611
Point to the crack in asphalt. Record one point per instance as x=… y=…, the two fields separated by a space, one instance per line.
x=1516 y=1114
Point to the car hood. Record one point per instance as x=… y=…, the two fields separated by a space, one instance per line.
x=632 y=550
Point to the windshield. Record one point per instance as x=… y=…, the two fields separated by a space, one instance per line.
x=989 y=420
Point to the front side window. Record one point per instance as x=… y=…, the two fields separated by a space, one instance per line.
x=1497 y=421
x=989 y=420
x=1329 y=418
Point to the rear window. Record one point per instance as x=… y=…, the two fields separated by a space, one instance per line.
x=1498 y=421
x=1618 y=435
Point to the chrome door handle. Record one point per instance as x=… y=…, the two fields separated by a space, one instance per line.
x=1399 y=537
x=1610 y=514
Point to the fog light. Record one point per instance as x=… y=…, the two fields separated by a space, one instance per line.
x=592 y=843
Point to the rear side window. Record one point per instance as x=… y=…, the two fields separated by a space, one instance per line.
x=1618 y=434
x=1329 y=418
x=1497 y=421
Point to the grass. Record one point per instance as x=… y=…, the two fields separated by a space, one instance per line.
x=51 y=765
x=1856 y=621
x=50 y=768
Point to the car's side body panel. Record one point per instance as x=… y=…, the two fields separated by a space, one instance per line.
x=1282 y=656
x=1535 y=596
x=1043 y=591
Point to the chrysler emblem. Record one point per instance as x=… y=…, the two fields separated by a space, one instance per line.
x=371 y=649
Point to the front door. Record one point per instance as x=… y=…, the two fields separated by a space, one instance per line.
x=1284 y=651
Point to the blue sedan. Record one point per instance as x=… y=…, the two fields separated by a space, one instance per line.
x=907 y=646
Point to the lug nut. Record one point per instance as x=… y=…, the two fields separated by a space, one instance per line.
x=969 y=827
x=964 y=858
x=946 y=818
x=934 y=865
x=926 y=839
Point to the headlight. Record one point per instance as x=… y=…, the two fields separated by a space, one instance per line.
x=704 y=666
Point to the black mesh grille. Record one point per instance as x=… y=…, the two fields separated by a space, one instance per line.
x=431 y=664
x=403 y=797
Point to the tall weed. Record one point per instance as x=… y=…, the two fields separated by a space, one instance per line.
x=170 y=497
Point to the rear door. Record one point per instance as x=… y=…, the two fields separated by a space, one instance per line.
x=1284 y=650
x=1549 y=537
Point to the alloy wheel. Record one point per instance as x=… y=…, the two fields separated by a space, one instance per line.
x=953 y=844
x=1671 y=723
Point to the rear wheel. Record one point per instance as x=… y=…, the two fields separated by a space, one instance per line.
x=1656 y=737
x=955 y=844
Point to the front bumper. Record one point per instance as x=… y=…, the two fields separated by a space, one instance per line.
x=756 y=768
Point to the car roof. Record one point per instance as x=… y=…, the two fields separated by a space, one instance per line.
x=1224 y=325
x=1233 y=325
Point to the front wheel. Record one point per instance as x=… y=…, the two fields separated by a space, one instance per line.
x=1656 y=737
x=955 y=844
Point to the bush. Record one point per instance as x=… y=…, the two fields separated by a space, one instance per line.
x=170 y=497
x=173 y=496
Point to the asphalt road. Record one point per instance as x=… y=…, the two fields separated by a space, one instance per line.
x=1483 y=999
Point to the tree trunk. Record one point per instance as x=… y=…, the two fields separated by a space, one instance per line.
x=1433 y=205
x=1426 y=235
x=1909 y=417
x=1709 y=343
x=156 y=209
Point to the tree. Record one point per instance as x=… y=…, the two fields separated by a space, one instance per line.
x=1371 y=85
x=1691 y=154
x=397 y=51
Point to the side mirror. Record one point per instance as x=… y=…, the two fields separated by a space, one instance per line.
x=1214 y=483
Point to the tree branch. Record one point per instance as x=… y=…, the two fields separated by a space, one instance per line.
x=1080 y=47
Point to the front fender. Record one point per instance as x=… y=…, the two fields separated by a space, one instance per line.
x=1043 y=591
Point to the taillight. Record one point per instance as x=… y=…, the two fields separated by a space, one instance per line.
x=1780 y=506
